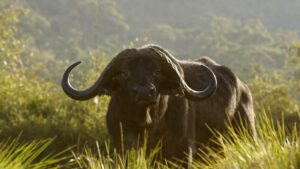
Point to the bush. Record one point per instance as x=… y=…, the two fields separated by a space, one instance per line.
x=40 y=109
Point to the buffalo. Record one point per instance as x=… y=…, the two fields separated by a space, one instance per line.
x=176 y=103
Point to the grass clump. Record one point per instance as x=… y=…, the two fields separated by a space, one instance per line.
x=133 y=159
x=273 y=147
x=16 y=155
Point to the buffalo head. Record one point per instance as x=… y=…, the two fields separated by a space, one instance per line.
x=139 y=76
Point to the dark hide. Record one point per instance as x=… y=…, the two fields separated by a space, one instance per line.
x=168 y=117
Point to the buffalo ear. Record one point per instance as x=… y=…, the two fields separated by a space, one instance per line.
x=110 y=85
x=170 y=87
x=109 y=80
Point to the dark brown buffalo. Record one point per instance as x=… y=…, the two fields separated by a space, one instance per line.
x=175 y=102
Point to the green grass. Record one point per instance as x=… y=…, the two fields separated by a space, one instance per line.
x=134 y=159
x=41 y=110
x=273 y=148
x=16 y=155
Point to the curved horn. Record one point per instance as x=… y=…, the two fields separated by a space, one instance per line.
x=208 y=91
x=98 y=87
x=74 y=93
x=189 y=92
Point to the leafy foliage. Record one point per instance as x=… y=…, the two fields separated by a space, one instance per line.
x=11 y=47
x=233 y=43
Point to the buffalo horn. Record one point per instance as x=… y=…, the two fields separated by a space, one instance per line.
x=189 y=92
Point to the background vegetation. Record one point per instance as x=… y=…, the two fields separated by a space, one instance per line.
x=40 y=38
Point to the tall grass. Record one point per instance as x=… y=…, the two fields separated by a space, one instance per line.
x=133 y=159
x=273 y=148
x=15 y=155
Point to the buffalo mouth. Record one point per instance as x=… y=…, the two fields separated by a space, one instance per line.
x=145 y=102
